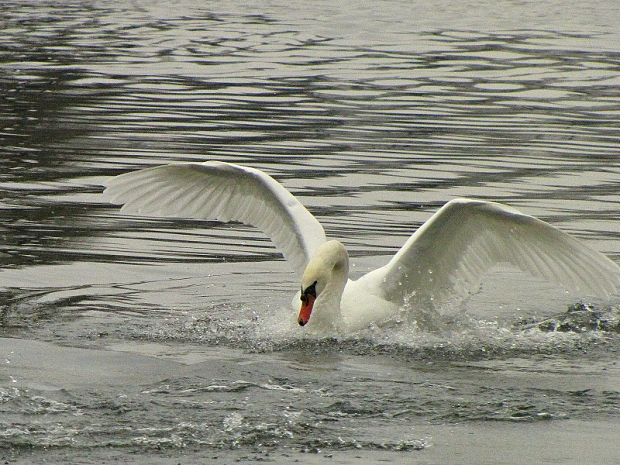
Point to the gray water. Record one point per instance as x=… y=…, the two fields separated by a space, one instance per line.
x=157 y=341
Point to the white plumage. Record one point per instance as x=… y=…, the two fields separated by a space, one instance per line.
x=223 y=192
x=447 y=255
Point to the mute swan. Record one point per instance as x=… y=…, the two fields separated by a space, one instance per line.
x=447 y=255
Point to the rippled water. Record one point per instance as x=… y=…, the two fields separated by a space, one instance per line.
x=127 y=334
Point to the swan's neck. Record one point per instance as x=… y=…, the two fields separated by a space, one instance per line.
x=329 y=268
x=327 y=315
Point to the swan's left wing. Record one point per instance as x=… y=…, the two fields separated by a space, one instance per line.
x=224 y=192
x=451 y=252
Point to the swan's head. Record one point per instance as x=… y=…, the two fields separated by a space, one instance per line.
x=323 y=282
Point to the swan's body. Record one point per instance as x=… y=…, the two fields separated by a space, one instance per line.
x=447 y=255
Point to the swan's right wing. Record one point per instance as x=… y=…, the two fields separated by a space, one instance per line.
x=224 y=192
x=450 y=253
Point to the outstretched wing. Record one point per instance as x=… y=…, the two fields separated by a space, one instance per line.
x=224 y=192
x=457 y=245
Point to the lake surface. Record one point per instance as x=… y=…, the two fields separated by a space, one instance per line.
x=145 y=340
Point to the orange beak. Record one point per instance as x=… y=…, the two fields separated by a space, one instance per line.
x=306 y=309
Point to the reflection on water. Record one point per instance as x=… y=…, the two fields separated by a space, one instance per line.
x=373 y=117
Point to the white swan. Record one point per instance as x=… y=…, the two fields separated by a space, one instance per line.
x=447 y=255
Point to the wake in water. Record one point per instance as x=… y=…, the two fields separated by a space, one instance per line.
x=456 y=331
x=431 y=336
x=238 y=377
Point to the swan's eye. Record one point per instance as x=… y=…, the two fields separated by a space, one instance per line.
x=309 y=291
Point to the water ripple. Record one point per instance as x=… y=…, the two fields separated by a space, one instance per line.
x=374 y=117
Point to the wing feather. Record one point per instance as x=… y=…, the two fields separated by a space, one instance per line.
x=224 y=192
x=457 y=246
